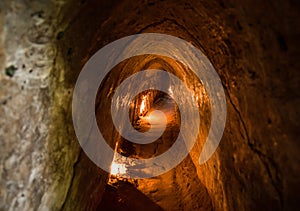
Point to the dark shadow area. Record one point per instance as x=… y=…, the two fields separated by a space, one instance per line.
x=123 y=196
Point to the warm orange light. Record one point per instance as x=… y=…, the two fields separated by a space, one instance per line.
x=157 y=118
x=143 y=105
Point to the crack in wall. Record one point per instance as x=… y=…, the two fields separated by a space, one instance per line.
x=260 y=154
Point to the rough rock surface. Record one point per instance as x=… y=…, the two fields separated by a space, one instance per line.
x=26 y=59
x=39 y=151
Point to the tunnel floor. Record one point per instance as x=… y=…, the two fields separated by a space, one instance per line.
x=124 y=196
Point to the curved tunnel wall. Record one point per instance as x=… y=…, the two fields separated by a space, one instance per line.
x=256 y=57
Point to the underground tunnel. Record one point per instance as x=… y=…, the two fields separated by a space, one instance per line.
x=253 y=47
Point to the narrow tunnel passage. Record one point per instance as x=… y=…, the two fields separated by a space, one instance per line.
x=233 y=36
x=178 y=187
x=254 y=48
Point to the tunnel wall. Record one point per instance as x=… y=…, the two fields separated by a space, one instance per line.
x=252 y=53
x=41 y=164
x=26 y=56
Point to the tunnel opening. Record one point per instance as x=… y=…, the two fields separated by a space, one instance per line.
x=156 y=110
x=234 y=38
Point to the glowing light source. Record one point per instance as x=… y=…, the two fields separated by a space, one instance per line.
x=143 y=105
x=117 y=169
x=157 y=118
